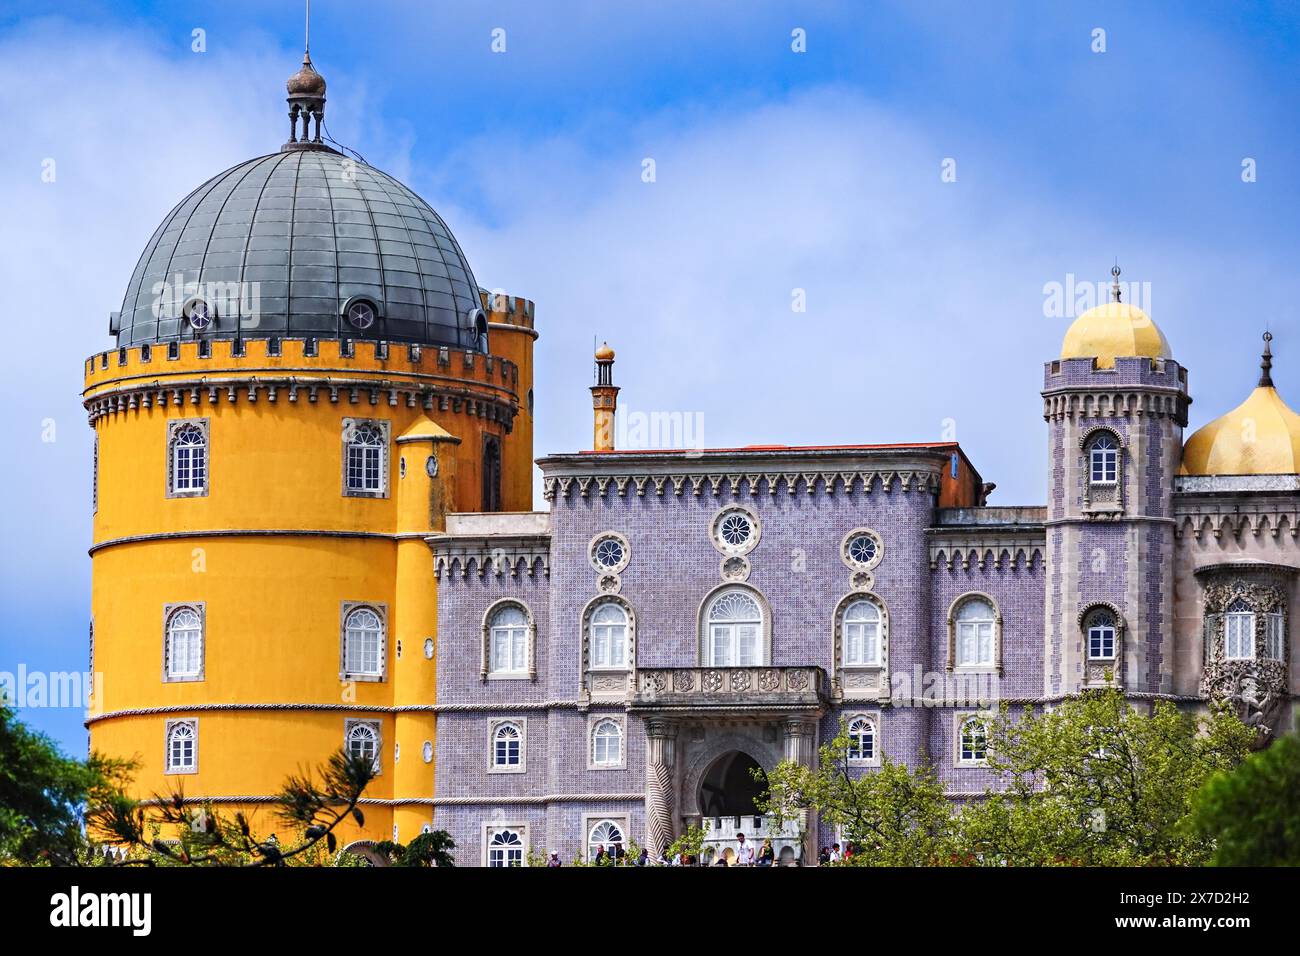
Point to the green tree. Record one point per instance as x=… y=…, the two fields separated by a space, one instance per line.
x=171 y=832
x=1252 y=813
x=1097 y=782
x=43 y=793
x=893 y=815
x=428 y=849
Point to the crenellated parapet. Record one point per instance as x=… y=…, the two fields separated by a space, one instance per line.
x=735 y=483
x=1078 y=389
x=310 y=370
x=507 y=311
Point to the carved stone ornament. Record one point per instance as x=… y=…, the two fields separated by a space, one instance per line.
x=1256 y=687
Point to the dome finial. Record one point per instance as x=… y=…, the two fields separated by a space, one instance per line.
x=1114 y=285
x=1266 y=362
x=306 y=90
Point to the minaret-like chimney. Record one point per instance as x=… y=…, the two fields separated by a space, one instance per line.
x=604 y=400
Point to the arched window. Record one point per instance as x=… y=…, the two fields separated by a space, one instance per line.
x=973 y=741
x=609 y=637
x=607 y=834
x=365 y=453
x=362 y=741
x=1103 y=459
x=1275 y=636
x=975 y=634
x=505 y=848
x=1239 y=631
x=862 y=739
x=363 y=643
x=187 y=456
x=861 y=643
x=735 y=627
x=607 y=743
x=182 y=746
x=508 y=641
x=183 y=647
x=1100 y=629
x=507 y=746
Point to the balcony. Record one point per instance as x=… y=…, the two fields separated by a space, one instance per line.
x=730 y=688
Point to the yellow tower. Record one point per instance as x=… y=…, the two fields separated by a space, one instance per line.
x=305 y=382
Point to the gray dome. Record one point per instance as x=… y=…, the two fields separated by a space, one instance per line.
x=279 y=245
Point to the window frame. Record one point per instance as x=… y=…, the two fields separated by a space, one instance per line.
x=529 y=671
x=1109 y=458
x=960 y=722
x=762 y=633
x=859 y=681
x=1272 y=634
x=494 y=726
x=349 y=428
x=591 y=821
x=346 y=610
x=594 y=723
x=872 y=719
x=169 y=728
x=845 y=640
x=352 y=724
x=721 y=545
x=1088 y=626
x=955 y=624
x=1249 y=618
x=490 y=830
x=170 y=611
x=174 y=427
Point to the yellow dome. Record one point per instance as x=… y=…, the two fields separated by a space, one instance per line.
x=1261 y=436
x=1114 y=330
x=604 y=353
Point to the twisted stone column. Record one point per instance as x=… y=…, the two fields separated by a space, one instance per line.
x=661 y=765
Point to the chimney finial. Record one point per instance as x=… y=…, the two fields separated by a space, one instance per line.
x=1266 y=363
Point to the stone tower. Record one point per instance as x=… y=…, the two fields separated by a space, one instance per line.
x=1116 y=405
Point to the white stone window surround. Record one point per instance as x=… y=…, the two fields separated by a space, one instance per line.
x=965 y=732
x=598 y=722
x=609 y=552
x=592 y=821
x=499 y=727
x=735 y=530
x=601 y=679
x=862 y=549
x=493 y=624
x=366 y=456
x=965 y=623
x=723 y=619
x=860 y=680
x=189 y=461
x=505 y=850
x=365 y=733
x=180 y=622
x=1106 y=493
x=176 y=757
x=872 y=718
x=351 y=614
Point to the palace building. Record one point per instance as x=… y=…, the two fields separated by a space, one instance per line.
x=314 y=529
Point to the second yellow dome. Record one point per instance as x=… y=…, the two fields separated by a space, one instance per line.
x=1114 y=330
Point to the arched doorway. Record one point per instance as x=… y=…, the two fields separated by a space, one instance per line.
x=729 y=788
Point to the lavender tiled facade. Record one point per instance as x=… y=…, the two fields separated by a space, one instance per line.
x=691 y=714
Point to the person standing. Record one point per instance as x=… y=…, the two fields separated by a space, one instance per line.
x=744 y=851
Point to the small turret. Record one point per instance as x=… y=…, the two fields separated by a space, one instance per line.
x=604 y=400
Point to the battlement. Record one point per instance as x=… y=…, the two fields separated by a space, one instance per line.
x=305 y=355
x=505 y=309
x=1126 y=373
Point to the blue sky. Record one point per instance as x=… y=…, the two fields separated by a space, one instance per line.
x=775 y=171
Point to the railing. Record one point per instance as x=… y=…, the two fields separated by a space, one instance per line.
x=730 y=686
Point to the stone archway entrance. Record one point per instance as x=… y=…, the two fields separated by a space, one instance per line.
x=729 y=788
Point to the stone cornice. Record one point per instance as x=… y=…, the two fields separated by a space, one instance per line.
x=720 y=483
x=1129 y=400
x=251 y=533
x=498 y=406
x=1258 y=514
x=498 y=554
x=985 y=546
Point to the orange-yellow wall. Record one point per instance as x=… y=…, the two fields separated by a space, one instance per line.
x=272 y=602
